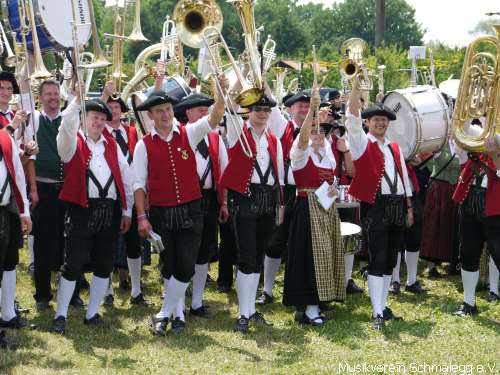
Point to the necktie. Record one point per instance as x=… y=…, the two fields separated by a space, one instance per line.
x=296 y=132
x=203 y=149
x=122 y=143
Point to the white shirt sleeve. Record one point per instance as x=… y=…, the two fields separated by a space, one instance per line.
x=277 y=122
x=406 y=179
x=197 y=131
x=355 y=135
x=128 y=182
x=140 y=166
x=281 y=166
x=66 y=137
x=298 y=156
x=232 y=132
x=20 y=179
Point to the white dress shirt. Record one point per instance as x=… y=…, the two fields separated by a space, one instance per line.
x=299 y=157
x=66 y=147
x=358 y=141
x=123 y=132
x=195 y=133
x=202 y=163
x=263 y=157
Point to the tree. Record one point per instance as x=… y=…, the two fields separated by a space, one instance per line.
x=485 y=26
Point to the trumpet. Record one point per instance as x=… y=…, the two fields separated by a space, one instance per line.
x=11 y=59
x=352 y=67
x=268 y=53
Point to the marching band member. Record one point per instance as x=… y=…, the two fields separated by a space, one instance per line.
x=478 y=194
x=125 y=136
x=314 y=269
x=381 y=183
x=165 y=169
x=98 y=192
x=254 y=191
x=211 y=160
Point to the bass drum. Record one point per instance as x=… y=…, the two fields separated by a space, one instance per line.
x=423 y=119
x=174 y=87
x=53 y=22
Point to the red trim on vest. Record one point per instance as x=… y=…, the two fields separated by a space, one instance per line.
x=132 y=137
x=344 y=178
x=287 y=140
x=413 y=177
x=214 y=152
x=311 y=177
x=4 y=121
x=492 y=198
x=370 y=171
x=6 y=146
x=75 y=186
x=172 y=176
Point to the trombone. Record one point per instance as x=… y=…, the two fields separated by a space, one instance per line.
x=136 y=35
x=11 y=59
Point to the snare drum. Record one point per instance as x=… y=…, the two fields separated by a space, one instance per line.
x=351 y=237
x=53 y=22
x=422 y=119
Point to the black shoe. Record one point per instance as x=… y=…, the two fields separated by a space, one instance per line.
x=241 y=324
x=20 y=310
x=389 y=315
x=125 y=285
x=378 y=323
x=178 y=325
x=415 y=288
x=492 y=297
x=158 y=326
x=76 y=301
x=140 y=300
x=223 y=288
x=315 y=322
x=109 y=300
x=434 y=273
x=5 y=344
x=395 y=287
x=59 y=325
x=259 y=319
x=363 y=272
x=265 y=299
x=352 y=288
x=466 y=309
x=42 y=306
x=96 y=320
x=201 y=312
x=15 y=323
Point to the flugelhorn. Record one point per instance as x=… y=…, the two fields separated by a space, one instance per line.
x=11 y=59
x=268 y=53
x=136 y=35
x=478 y=93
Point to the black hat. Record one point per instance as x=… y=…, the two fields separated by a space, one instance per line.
x=333 y=94
x=117 y=99
x=264 y=101
x=378 y=109
x=192 y=101
x=302 y=96
x=98 y=105
x=8 y=76
x=334 y=113
x=156 y=98
x=327 y=127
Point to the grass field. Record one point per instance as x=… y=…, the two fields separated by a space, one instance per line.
x=428 y=336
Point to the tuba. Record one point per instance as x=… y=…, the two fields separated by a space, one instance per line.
x=479 y=93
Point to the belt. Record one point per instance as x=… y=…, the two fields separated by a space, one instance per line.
x=302 y=192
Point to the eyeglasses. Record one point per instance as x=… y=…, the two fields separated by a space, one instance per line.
x=258 y=108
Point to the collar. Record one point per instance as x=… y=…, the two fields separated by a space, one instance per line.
x=175 y=129
x=8 y=112
x=251 y=128
x=372 y=138
x=110 y=128
x=102 y=138
x=44 y=114
x=295 y=126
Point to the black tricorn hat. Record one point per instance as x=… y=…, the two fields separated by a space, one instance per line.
x=378 y=109
x=192 y=101
x=97 y=105
x=301 y=96
x=8 y=76
x=119 y=100
x=156 y=98
x=264 y=101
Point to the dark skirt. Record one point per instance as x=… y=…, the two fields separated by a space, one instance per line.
x=440 y=218
x=300 y=280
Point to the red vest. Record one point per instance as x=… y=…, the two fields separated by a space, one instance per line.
x=75 y=186
x=339 y=156
x=311 y=177
x=213 y=150
x=132 y=137
x=287 y=141
x=6 y=146
x=172 y=176
x=370 y=171
x=238 y=173
x=413 y=177
x=4 y=121
x=492 y=199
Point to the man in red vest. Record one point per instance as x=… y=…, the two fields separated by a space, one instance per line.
x=382 y=185
x=254 y=184
x=125 y=136
x=98 y=192
x=14 y=219
x=165 y=169
x=211 y=160
x=478 y=194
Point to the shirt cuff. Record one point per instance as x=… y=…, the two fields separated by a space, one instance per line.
x=25 y=215
x=127 y=212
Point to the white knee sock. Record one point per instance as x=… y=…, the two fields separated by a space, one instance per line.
x=98 y=287
x=469 y=281
x=376 y=290
x=493 y=276
x=176 y=289
x=385 y=295
x=411 y=266
x=199 y=281
x=179 y=309
x=110 y=291
x=8 y=295
x=395 y=270
x=64 y=293
x=271 y=267
x=165 y=287
x=312 y=311
x=244 y=287
x=31 y=240
x=348 y=262
x=253 y=296
x=134 y=268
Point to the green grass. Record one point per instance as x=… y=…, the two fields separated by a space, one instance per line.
x=428 y=335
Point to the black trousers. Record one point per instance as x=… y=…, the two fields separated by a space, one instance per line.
x=181 y=245
x=227 y=255
x=278 y=243
x=473 y=234
x=84 y=245
x=413 y=234
x=48 y=232
x=384 y=240
x=252 y=232
x=210 y=210
x=132 y=239
x=10 y=240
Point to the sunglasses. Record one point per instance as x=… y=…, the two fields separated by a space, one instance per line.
x=258 y=108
